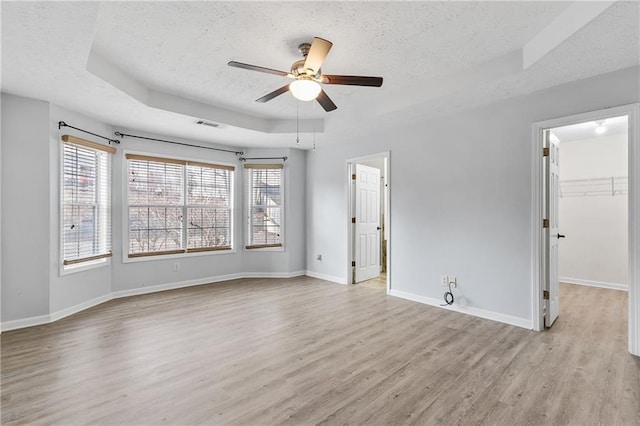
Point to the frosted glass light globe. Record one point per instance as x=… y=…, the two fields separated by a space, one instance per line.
x=305 y=90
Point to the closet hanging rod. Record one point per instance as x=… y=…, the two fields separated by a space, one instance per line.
x=177 y=143
x=263 y=158
x=62 y=124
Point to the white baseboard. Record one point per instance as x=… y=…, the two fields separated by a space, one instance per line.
x=79 y=307
x=25 y=322
x=46 y=319
x=325 y=277
x=55 y=316
x=591 y=283
x=273 y=274
x=172 y=286
x=469 y=310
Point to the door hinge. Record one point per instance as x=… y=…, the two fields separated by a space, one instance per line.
x=545 y=295
x=353 y=263
x=353 y=176
x=545 y=152
x=545 y=223
x=353 y=220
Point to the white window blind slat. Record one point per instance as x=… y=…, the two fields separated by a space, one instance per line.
x=164 y=192
x=263 y=205
x=86 y=203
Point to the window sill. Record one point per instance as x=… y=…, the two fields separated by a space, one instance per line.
x=84 y=266
x=127 y=259
x=262 y=249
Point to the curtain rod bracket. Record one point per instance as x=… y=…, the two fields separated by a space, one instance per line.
x=62 y=124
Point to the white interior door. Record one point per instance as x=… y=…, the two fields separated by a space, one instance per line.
x=552 y=235
x=367 y=226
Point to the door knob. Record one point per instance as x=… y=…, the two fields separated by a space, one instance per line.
x=378 y=228
x=560 y=236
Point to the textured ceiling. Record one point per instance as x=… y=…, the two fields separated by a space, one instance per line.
x=183 y=48
x=435 y=57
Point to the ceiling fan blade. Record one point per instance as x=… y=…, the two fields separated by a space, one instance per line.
x=257 y=68
x=275 y=93
x=317 y=54
x=326 y=101
x=352 y=80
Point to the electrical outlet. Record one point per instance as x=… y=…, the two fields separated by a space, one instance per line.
x=319 y=258
x=176 y=266
x=453 y=281
x=444 y=280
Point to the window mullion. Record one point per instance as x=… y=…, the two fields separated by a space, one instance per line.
x=185 y=208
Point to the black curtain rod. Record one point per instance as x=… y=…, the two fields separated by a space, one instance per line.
x=178 y=143
x=263 y=158
x=62 y=124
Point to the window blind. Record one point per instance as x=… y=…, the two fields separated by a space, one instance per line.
x=163 y=192
x=263 y=205
x=86 y=200
x=209 y=205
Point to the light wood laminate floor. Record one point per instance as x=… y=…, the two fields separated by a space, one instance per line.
x=302 y=351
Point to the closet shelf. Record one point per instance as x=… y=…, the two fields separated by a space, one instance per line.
x=611 y=186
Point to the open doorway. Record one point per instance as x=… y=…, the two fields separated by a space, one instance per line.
x=586 y=207
x=585 y=188
x=593 y=203
x=368 y=218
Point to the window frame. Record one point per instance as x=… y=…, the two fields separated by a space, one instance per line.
x=248 y=246
x=184 y=252
x=66 y=267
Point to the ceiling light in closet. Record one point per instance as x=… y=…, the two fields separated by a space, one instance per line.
x=600 y=127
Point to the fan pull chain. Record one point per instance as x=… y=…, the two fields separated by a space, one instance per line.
x=313 y=108
x=297 y=122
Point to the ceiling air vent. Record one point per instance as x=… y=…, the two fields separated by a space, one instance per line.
x=209 y=123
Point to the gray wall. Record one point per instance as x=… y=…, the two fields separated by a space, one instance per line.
x=32 y=284
x=131 y=275
x=460 y=204
x=460 y=195
x=25 y=207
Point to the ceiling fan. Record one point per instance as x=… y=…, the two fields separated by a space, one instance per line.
x=307 y=75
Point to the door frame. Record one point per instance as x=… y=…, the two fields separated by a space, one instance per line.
x=632 y=111
x=350 y=167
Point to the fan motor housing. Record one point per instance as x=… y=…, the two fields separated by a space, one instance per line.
x=297 y=69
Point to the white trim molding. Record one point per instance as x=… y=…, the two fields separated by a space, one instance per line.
x=63 y=313
x=325 y=277
x=202 y=281
x=55 y=316
x=25 y=322
x=632 y=111
x=634 y=229
x=591 y=283
x=468 y=310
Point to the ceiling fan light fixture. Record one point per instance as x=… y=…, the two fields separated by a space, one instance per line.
x=305 y=89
